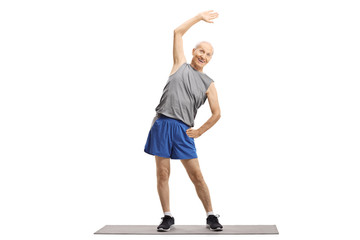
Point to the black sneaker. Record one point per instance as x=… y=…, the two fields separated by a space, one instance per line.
x=212 y=223
x=166 y=223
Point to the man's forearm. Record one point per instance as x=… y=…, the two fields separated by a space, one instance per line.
x=209 y=123
x=186 y=25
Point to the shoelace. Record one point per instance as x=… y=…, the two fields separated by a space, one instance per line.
x=162 y=220
x=216 y=219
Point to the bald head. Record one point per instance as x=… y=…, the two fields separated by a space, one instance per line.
x=206 y=44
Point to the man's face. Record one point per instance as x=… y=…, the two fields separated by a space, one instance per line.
x=202 y=55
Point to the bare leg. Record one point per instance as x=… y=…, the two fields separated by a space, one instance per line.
x=193 y=169
x=163 y=174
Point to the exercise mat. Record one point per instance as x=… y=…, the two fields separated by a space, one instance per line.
x=188 y=230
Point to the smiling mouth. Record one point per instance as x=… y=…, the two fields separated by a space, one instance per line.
x=202 y=61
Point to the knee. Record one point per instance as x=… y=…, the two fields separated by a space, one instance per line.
x=163 y=175
x=197 y=178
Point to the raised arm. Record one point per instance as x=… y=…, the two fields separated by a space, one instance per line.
x=178 y=50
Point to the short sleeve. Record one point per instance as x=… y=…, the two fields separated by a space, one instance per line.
x=207 y=83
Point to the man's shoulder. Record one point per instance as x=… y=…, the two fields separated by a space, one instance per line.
x=176 y=67
x=210 y=88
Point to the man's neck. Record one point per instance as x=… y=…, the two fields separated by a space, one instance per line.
x=197 y=69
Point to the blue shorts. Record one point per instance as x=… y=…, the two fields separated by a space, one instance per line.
x=167 y=138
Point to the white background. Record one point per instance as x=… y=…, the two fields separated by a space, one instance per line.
x=80 y=81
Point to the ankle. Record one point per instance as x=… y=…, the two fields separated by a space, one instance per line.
x=210 y=213
x=168 y=213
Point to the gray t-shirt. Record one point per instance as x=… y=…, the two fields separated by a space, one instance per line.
x=183 y=94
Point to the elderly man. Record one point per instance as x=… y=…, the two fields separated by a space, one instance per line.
x=171 y=135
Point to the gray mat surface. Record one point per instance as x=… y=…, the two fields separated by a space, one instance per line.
x=188 y=230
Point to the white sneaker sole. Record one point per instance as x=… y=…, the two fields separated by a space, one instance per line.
x=213 y=229
x=165 y=230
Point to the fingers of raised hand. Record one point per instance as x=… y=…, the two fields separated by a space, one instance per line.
x=210 y=16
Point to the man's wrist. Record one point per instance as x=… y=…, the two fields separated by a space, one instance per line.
x=201 y=130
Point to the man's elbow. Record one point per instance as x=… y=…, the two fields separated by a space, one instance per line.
x=178 y=32
x=217 y=115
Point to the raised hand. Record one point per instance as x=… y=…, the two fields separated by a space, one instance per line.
x=208 y=15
